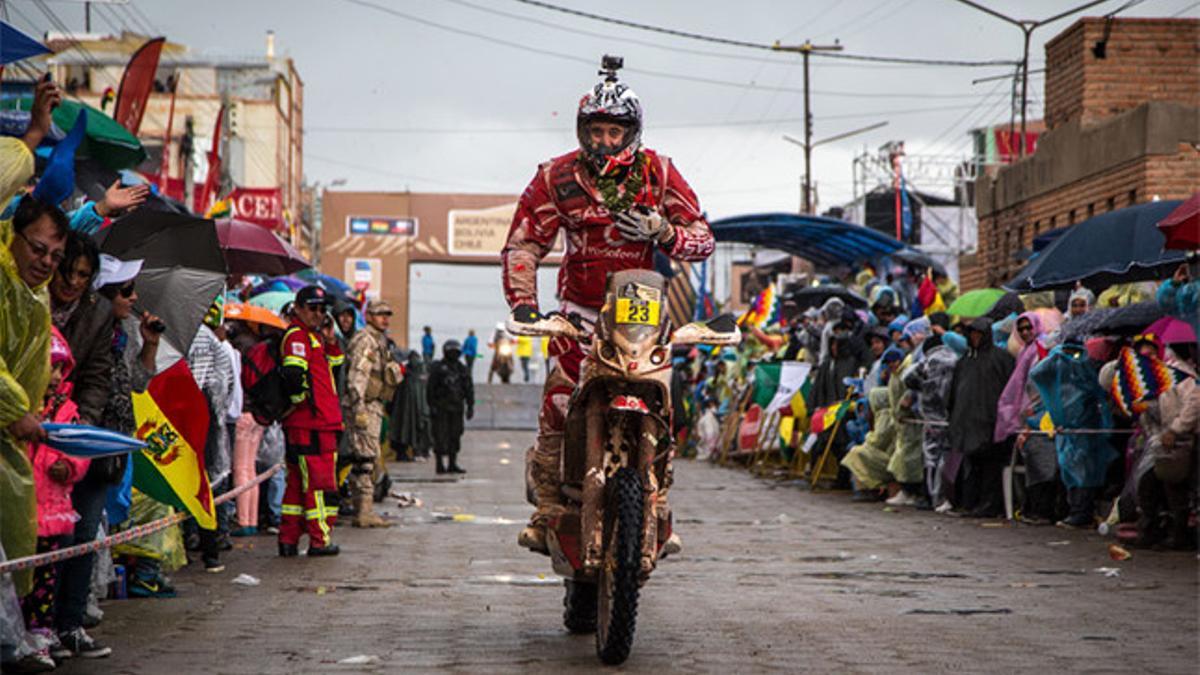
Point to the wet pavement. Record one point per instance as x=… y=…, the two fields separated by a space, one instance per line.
x=772 y=577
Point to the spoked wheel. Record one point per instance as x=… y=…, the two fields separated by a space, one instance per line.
x=579 y=603
x=617 y=596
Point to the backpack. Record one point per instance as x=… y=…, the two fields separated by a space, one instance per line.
x=262 y=381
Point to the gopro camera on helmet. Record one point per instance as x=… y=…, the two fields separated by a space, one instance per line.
x=609 y=65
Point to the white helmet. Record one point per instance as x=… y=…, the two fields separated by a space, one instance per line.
x=610 y=101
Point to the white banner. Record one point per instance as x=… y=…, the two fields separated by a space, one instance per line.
x=791 y=378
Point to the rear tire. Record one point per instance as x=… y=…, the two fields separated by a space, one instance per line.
x=579 y=602
x=619 y=576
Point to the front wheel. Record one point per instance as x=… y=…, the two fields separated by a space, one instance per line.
x=618 y=578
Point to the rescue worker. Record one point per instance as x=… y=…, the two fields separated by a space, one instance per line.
x=311 y=428
x=451 y=393
x=370 y=384
x=617 y=204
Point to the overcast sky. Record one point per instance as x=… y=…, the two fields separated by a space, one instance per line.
x=392 y=103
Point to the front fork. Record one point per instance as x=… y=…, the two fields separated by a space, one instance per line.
x=608 y=450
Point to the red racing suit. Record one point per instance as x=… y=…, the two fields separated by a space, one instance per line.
x=311 y=431
x=563 y=197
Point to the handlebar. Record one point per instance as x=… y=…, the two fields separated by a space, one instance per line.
x=554 y=324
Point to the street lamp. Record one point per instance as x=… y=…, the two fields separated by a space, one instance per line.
x=807 y=196
x=1027 y=27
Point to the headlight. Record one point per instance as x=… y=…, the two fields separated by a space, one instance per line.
x=658 y=356
x=607 y=352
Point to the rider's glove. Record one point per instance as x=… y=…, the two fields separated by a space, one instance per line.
x=526 y=314
x=649 y=226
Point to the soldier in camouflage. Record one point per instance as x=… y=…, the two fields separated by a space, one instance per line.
x=370 y=383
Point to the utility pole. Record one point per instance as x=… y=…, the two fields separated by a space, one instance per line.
x=808 y=145
x=1027 y=27
x=806 y=50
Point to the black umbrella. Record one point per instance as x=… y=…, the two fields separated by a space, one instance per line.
x=1116 y=247
x=183 y=268
x=1131 y=319
x=815 y=296
x=1124 y=321
x=919 y=259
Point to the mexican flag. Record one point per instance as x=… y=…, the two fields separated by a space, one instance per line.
x=172 y=418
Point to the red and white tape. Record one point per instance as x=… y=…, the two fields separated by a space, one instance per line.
x=136 y=532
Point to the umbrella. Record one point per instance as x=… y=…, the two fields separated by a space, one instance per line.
x=183 y=269
x=918 y=258
x=1009 y=303
x=1118 y=246
x=272 y=300
x=15 y=45
x=279 y=285
x=81 y=440
x=106 y=140
x=1171 y=330
x=330 y=283
x=975 y=303
x=1182 y=226
x=253 y=249
x=254 y=314
x=815 y=296
x=1129 y=320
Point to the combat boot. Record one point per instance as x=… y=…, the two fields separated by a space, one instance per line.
x=366 y=513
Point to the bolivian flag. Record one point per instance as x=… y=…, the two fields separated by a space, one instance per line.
x=824 y=418
x=172 y=418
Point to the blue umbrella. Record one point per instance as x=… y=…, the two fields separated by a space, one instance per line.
x=1116 y=247
x=82 y=440
x=15 y=45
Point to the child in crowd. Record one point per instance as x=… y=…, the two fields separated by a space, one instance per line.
x=54 y=474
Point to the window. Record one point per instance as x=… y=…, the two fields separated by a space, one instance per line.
x=1091 y=209
x=1112 y=203
x=1071 y=217
x=1133 y=196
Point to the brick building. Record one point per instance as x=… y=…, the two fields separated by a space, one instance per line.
x=1123 y=127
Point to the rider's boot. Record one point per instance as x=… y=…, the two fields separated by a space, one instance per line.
x=543 y=474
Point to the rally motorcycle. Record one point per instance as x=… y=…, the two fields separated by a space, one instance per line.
x=616 y=445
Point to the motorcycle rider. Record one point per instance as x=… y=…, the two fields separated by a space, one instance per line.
x=617 y=203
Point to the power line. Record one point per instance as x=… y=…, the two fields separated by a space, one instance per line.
x=653 y=127
x=393 y=174
x=641 y=71
x=749 y=45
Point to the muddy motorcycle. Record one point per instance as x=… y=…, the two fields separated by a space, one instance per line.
x=616 y=446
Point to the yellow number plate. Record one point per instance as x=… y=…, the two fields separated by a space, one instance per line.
x=644 y=312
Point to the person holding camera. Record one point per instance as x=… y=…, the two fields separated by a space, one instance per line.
x=618 y=204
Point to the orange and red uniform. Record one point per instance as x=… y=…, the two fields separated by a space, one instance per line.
x=311 y=429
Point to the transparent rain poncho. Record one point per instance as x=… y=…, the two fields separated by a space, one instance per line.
x=1073 y=397
x=24 y=373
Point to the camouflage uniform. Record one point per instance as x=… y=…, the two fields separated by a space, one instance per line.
x=370 y=383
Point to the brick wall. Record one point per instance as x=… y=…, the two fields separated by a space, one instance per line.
x=1005 y=232
x=1146 y=60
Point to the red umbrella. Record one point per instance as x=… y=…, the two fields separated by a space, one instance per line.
x=253 y=249
x=1182 y=226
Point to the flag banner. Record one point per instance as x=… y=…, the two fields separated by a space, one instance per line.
x=763 y=311
x=136 y=85
x=1139 y=380
x=824 y=418
x=792 y=377
x=172 y=419
x=766 y=382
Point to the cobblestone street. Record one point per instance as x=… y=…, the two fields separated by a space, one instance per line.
x=772 y=577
